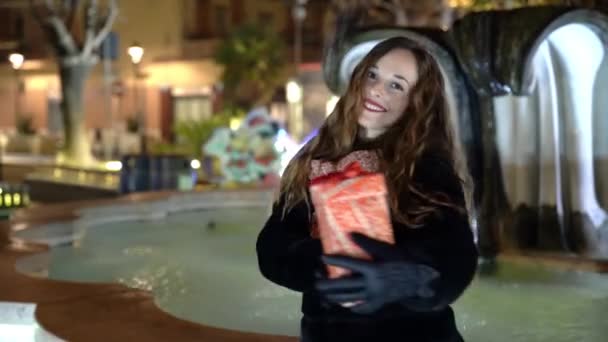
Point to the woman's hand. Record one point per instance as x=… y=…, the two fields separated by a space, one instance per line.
x=388 y=278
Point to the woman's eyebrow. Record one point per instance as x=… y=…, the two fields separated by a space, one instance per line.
x=402 y=78
x=396 y=75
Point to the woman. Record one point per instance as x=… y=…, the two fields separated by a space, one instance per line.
x=395 y=109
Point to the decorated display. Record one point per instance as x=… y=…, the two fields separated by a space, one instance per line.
x=249 y=154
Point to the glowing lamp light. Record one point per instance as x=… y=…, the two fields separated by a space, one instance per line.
x=136 y=53
x=16 y=60
x=17 y=199
x=195 y=164
x=235 y=123
x=57 y=173
x=114 y=165
x=13 y=196
x=294 y=92
x=460 y=3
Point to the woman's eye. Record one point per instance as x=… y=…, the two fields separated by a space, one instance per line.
x=396 y=86
x=371 y=74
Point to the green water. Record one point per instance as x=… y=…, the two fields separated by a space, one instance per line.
x=211 y=276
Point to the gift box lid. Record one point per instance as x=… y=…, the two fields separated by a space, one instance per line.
x=368 y=161
x=369 y=185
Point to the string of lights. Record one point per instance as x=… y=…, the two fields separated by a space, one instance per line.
x=14 y=196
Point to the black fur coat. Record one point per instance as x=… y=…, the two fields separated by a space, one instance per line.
x=289 y=256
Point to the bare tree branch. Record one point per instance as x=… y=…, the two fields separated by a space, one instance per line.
x=62 y=36
x=107 y=27
x=90 y=26
x=71 y=8
x=75 y=60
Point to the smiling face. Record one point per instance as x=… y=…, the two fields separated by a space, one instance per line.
x=385 y=92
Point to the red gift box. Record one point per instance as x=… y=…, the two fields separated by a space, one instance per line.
x=347 y=201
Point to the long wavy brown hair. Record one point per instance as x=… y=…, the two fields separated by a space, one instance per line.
x=424 y=126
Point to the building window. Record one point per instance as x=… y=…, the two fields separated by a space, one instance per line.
x=221 y=19
x=198 y=22
x=12 y=24
x=191 y=25
x=191 y=108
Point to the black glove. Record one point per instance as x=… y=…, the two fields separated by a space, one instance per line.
x=387 y=279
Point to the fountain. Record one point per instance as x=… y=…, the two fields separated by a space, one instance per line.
x=527 y=104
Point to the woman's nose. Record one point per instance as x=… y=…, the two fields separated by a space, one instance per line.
x=376 y=89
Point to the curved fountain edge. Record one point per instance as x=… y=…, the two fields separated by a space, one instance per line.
x=92 y=312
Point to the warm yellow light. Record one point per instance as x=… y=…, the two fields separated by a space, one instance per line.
x=195 y=164
x=16 y=60
x=114 y=165
x=26 y=199
x=460 y=3
x=1 y=190
x=294 y=92
x=42 y=82
x=235 y=123
x=17 y=199
x=8 y=201
x=109 y=179
x=33 y=64
x=136 y=52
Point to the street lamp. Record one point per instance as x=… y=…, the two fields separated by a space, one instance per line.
x=298 y=13
x=17 y=61
x=136 y=52
x=294 y=92
x=293 y=87
x=294 y=98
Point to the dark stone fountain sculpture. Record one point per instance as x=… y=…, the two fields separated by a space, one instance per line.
x=497 y=63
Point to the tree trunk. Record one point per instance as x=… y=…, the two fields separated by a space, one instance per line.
x=77 y=146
